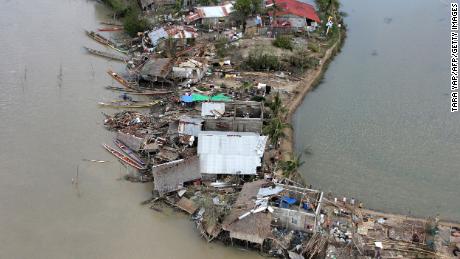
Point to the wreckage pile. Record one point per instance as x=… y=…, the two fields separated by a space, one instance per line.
x=209 y=144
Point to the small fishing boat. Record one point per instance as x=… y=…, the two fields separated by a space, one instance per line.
x=127 y=104
x=111 y=23
x=136 y=92
x=120 y=79
x=111 y=29
x=106 y=54
x=104 y=41
x=129 y=152
x=125 y=159
x=99 y=38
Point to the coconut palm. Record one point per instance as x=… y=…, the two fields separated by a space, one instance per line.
x=291 y=166
x=276 y=106
x=275 y=130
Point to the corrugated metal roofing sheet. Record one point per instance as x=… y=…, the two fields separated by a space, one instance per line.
x=230 y=152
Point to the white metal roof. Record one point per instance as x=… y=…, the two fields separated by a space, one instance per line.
x=216 y=11
x=230 y=152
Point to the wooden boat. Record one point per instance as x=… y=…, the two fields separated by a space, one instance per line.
x=111 y=29
x=129 y=152
x=111 y=23
x=104 y=41
x=120 y=79
x=123 y=158
x=106 y=54
x=99 y=38
x=127 y=104
x=136 y=92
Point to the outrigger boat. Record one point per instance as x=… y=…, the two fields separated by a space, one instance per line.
x=120 y=79
x=127 y=104
x=106 y=54
x=123 y=158
x=129 y=152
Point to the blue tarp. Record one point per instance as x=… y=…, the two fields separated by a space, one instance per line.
x=186 y=98
x=288 y=200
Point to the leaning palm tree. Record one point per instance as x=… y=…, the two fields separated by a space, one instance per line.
x=275 y=130
x=290 y=166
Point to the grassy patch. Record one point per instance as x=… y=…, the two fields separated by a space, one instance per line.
x=283 y=42
x=262 y=60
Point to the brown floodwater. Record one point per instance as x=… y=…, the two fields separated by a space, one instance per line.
x=50 y=122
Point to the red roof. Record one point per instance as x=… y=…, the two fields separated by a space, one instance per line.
x=296 y=8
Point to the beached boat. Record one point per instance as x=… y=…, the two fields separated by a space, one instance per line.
x=104 y=41
x=111 y=29
x=140 y=92
x=125 y=159
x=99 y=38
x=120 y=79
x=106 y=54
x=128 y=104
x=129 y=152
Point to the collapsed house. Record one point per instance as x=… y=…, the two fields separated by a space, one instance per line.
x=210 y=15
x=131 y=141
x=241 y=223
x=189 y=125
x=294 y=14
x=157 y=70
x=296 y=208
x=189 y=70
x=234 y=153
x=233 y=116
x=172 y=176
x=179 y=33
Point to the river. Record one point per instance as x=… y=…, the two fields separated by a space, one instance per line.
x=50 y=122
x=379 y=127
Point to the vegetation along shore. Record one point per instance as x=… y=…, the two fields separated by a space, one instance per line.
x=206 y=103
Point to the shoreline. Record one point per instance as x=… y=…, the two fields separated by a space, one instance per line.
x=309 y=82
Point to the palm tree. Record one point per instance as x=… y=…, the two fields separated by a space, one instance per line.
x=275 y=130
x=276 y=106
x=291 y=166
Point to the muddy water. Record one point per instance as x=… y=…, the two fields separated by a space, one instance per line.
x=379 y=127
x=49 y=123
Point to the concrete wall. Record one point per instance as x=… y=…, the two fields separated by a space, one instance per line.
x=233 y=124
x=294 y=220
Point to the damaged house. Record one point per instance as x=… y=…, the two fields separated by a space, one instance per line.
x=189 y=70
x=172 y=176
x=210 y=15
x=235 y=153
x=157 y=70
x=294 y=14
x=244 y=223
x=240 y=116
x=180 y=33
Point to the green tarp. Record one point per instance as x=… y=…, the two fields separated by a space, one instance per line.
x=203 y=98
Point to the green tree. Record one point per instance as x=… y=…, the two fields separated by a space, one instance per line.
x=275 y=130
x=290 y=166
x=276 y=106
x=133 y=24
x=244 y=9
x=328 y=6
